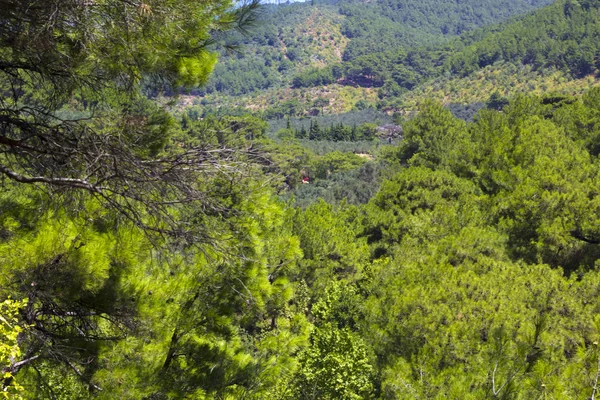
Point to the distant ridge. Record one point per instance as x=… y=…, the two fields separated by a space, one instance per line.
x=281 y=1
x=316 y=43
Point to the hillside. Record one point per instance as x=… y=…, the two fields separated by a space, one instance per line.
x=558 y=44
x=506 y=79
x=384 y=200
x=291 y=38
x=563 y=36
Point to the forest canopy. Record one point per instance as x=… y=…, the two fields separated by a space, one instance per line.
x=72 y=112
x=155 y=252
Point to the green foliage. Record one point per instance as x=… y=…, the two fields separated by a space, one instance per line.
x=199 y=306
x=364 y=43
x=338 y=133
x=195 y=71
x=219 y=131
x=462 y=266
x=434 y=138
x=356 y=186
x=470 y=273
x=580 y=120
x=562 y=36
x=329 y=245
x=458 y=305
x=336 y=366
x=496 y=101
x=9 y=347
x=335 y=162
x=421 y=205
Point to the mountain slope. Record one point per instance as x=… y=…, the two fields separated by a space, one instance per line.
x=564 y=36
x=419 y=22
x=291 y=38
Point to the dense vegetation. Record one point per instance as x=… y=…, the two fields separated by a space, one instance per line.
x=152 y=253
x=557 y=42
x=478 y=255
x=561 y=37
x=303 y=43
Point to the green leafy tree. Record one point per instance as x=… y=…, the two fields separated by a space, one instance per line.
x=315 y=132
x=72 y=110
x=9 y=348
x=407 y=204
x=330 y=246
x=497 y=101
x=434 y=139
x=335 y=366
x=335 y=161
x=368 y=131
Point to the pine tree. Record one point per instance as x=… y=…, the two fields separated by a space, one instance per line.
x=315 y=132
x=353 y=132
x=302 y=134
x=89 y=70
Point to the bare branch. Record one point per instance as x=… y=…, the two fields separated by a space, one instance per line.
x=70 y=182
x=18 y=365
x=74 y=368
x=596 y=378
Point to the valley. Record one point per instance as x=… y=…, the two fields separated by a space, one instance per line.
x=335 y=199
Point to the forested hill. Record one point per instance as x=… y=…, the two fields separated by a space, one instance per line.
x=558 y=44
x=156 y=252
x=385 y=24
x=291 y=38
x=563 y=36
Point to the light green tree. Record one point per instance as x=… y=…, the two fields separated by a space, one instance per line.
x=75 y=115
x=10 y=353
